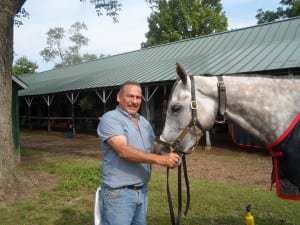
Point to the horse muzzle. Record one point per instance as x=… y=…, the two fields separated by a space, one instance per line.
x=160 y=140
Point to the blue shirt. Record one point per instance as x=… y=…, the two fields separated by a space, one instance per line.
x=118 y=172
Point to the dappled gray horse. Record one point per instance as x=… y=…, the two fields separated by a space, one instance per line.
x=266 y=107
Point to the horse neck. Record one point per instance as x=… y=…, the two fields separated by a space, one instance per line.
x=263 y=107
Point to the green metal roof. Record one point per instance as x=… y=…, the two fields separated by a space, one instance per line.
x=271 y=46
x=19 y=82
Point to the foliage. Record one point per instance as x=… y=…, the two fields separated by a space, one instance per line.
x=175 y=20
x=24 y=66
x=18 y=17
x=289 y=8
x=111 y=7
x=66 y=55
x=86 y=103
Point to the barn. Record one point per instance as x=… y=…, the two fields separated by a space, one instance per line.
x=75 y=97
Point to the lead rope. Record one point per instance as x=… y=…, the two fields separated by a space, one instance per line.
x=171 y=208
x=186 y=178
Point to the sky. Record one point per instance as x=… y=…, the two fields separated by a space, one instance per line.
x=105 y=36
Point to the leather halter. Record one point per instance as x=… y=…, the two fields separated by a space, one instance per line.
x=194 y=123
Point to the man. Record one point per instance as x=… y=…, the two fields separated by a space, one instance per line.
x=129 y=149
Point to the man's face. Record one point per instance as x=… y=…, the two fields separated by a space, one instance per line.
x=130 y=100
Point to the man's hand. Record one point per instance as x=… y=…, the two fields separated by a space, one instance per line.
x=169 y=160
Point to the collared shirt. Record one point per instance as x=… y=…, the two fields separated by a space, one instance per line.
x=118 y=172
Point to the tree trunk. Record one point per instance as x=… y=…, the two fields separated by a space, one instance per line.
x=8 y=162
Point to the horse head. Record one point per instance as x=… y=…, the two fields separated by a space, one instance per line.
x=187 y=117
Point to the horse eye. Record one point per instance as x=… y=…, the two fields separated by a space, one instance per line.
x=175 y=108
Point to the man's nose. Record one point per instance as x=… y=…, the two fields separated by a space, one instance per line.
x=134 y=99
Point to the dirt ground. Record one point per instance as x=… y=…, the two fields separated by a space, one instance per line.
x=223 y=162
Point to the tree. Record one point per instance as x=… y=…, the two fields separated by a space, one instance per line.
x=174 y=20
x=24 y=66
x=8 y=11
x=289 y=8
x=66 y=55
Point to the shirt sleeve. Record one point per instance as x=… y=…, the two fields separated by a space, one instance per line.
x=109 y=126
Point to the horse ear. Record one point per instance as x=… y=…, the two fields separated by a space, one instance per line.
x=181 y=73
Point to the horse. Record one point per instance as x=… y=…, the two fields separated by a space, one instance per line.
x=266 y=107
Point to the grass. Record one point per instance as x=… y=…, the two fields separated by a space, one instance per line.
x=71 y=200
x=220 y=203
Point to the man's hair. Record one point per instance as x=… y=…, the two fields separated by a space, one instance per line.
x=129 y=83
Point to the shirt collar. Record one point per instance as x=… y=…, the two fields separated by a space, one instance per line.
x=137 y=115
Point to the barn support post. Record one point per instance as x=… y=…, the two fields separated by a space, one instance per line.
x=164 y=104
x=28 y=101
x=207 y=141
x=73 y=98
x=104 y=98
x=147 y=98
x=48 y=100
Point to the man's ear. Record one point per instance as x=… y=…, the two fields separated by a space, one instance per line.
x=118 y=96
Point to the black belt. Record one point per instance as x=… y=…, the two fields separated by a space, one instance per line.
x=132 y=187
